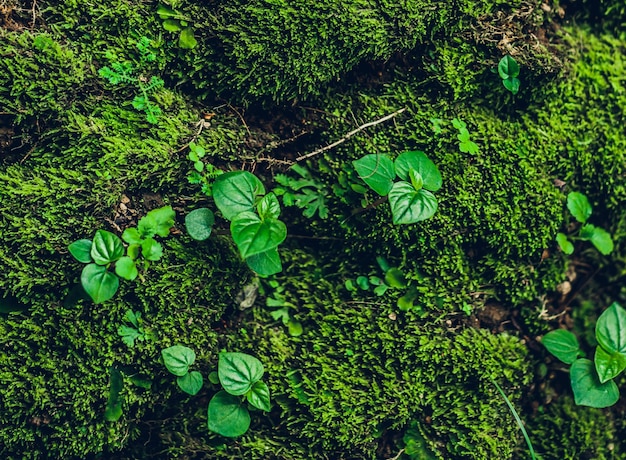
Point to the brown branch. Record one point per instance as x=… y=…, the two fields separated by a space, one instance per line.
x=350 y=134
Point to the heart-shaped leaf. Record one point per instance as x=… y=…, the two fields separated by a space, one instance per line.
x=177 y=359
x=579 y=206
x=191 y=382
x=81 y=250
x=611 y=329
x=238 y=372
x=377 y=171
x=227 y=416
x=409 y=206
x=588 y=391
x=199 y=223
x=254 y=236
x=235 y=192
x=125 y=268
x=608 y=365
x=265 y=263
x=418 y=161
x=259 y=396
x=106 y=247
x=562 y=344
x=508 y=67
x=566 y=245
x=99 y=283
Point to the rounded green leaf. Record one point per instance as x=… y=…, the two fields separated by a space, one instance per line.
x=259 y=396
x=611 y=329
x=191 y=382
x=199 y=223
x=512 y=84
x=268 y=207
x=294 y=328
x=157 y=222
x=588 y=391
x=106 y=247
x=235 y=192
x=579 y=206
x=377 y=171
x=131 y=236
x=508 y=67
x=265 y=263
x=602 y=240
x=254 y=236
x=566 y=245
x=238 y=372
x=562 y=344
x=125 y=268
x=187 y=40
x=99 y=283
x=608 y=365
x=418 y=161
x=409 y=206
x=171 y=25
x=81 y=250
x=151 y=249
x=227 y=416
x=177 y=359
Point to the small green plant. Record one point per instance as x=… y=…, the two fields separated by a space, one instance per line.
x=204 y=173
x=126 y=73
x=178 y=359
x=592 y=381
x=508 y=69
x=282 y=308
x=581 y=209
x=136 y=330
x=113 y=410
x=253 y=215
x=411 y=198
x=465 y=144
x=174 y=21
x=304 y=192
x=106 y=251
x=240 y=377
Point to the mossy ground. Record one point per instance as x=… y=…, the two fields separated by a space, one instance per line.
x=267 y=83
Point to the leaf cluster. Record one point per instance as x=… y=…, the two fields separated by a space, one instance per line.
x=253 y=215
x=304 y=192
x=106 y=250
x=411 y=197
x=204 y=173
x=508 y=69
x=282 y=308
x=174 y=21
x=136 y=330
x=465 y=144
x=592 y=381
x=581 y=210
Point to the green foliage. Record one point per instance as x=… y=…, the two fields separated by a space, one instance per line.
x=174 y=21
x=412 y=201
x=113 y=410
x=178 y=359
x=283 y=308
x=126 y=73
x=107 y=250
x=508 y=69
x=593 y=385
x=581 y=209
x=304 y=192
x=240 y=375
x=136 y=330
x=465 y=144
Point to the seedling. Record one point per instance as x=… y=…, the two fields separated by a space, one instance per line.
x=255 y=227
x=581 y=209
x=465 y=144
x=106 y=252
x=508 y=69
x=411 y=198
x=204 y=173
x=592 y=381
x=124 y=72
x=282 y=309
x=174 y=21
x=135 y=331
x=178 y=359
x=240 y=376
